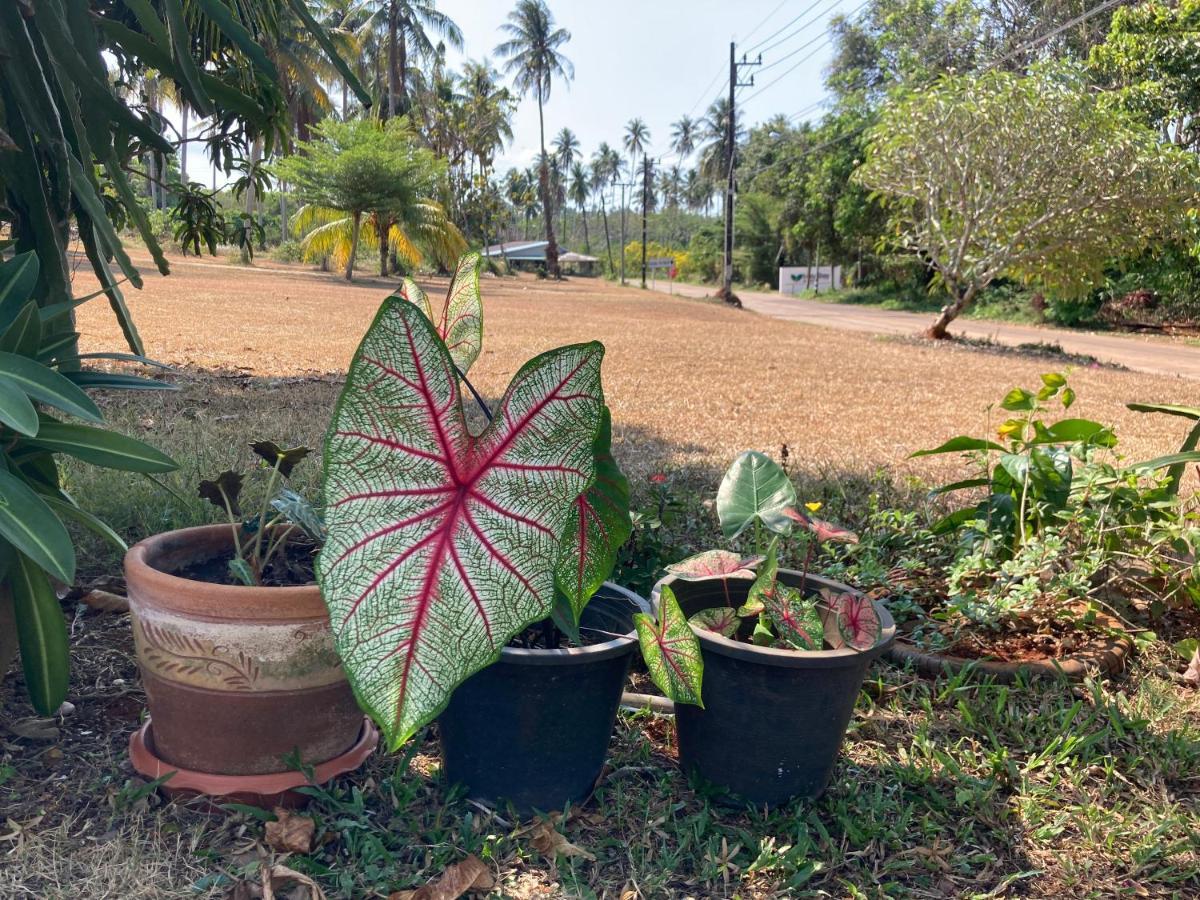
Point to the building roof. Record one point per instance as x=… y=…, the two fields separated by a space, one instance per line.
x=570 y=257
x=534 y=251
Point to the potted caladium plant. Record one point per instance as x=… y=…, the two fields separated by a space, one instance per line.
x=784 y=651
x=465 y=570
x=236 y=653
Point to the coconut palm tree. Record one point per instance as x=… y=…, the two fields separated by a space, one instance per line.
x=716 y=156
x=566 y=151
x=637 y=136
x=579 y=190
x=683 y=136
x=605 y=164
x=533 y=56
x=407 y=24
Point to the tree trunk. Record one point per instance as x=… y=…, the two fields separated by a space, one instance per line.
x=937 y=331
x=392 y=86
x=183 y=144
x=283 y=218
x=547 y=206
x=587 y=243
x=607 y=239
x=382 y=228
x=256 y=150
x=353 y=246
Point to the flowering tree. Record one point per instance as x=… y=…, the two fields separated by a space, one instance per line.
x=1030 y=177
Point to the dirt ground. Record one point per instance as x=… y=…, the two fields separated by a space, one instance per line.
x=689 y=381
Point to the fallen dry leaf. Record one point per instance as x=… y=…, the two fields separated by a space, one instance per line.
x=105 y=601
x=34 y=728
x=290 y=833
x=469 y=875
x=277 y=877
x=1192 y=674
x=550 y=842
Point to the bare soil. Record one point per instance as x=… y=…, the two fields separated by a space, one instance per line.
x=691 y=383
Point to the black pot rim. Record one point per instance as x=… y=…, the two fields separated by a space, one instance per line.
x=789 y=659
x=578 y=656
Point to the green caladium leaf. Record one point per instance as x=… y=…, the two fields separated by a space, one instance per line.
x=441 y=544
x=755 y=487
x=297 y=510
x=764 y=583
x=223 y=491
x=720 y=620
x=795 y=617
x=671 y=650
x=598 y=525
x=460 y=323
x=272 y=453
x=240 y=569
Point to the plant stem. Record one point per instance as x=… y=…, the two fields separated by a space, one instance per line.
x=257 y=562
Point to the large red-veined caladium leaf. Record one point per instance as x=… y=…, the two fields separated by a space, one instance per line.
x=856 y=619
x=598 y=524
x=671 y=650
x=820 y=529
x=714 y=564
x=460 y=322
x=441 y=544
x=796 y=618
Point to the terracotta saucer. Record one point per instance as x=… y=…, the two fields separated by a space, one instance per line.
x=266 y=791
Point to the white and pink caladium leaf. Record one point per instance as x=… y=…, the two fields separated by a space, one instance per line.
x=671 y=650
x=714 y=564
x=820 y=529
x=441 y=543
x=796 y=618
x=597 y=526
x=720 y=620
x=856 y=618
x=460 y=322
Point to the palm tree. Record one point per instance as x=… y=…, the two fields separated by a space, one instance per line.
x=716 y=155
x=637 y=136
x=579 y=191
x=566 y=151
x=605 y=162
x=533 y=56
x=407 y=24
x=683 y=136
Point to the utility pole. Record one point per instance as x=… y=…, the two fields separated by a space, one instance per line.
x=623 y=184
x=647 y=166
x=730 y=146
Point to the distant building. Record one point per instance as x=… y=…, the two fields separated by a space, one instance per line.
x=530 y=256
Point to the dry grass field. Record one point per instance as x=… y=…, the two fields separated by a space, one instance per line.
x=691 y=383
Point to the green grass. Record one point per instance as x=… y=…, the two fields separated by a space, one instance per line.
x=1002 y=303
x=948 y=787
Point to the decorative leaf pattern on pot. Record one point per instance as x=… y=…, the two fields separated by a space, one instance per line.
x=720 y=620
x=856 y=618
x=441 y=543
x=598 y=525
x=671 y=650
x=460 y=324
x=796 y=618
x=172 y=653
x=714 y=564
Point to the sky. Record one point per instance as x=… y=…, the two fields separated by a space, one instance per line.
x=660 y=59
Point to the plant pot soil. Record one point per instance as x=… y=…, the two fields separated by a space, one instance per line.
x=238 y=679
x=1103 y=654
x=532 y=729
x=773 y=720
x=265 y=791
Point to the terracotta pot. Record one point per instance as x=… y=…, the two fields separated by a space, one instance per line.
x=1106 y=656
x=238 y=679
x=773 y=719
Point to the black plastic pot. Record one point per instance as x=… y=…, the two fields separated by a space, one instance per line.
x=773 y=720
x=532 y=730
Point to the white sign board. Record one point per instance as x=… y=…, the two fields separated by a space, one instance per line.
x=797 y=279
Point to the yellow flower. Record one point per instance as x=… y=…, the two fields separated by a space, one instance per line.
x=813 y=507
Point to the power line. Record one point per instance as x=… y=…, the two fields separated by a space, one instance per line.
x=786 y=25
x=781 y=5
x=805 y=26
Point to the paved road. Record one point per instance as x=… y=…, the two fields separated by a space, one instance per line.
x=1143 y=354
